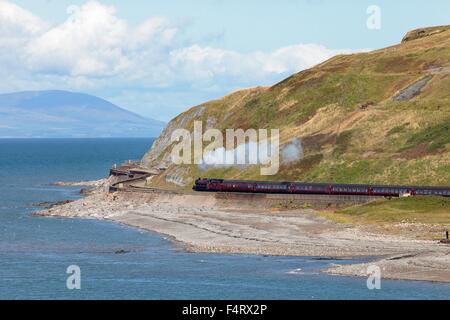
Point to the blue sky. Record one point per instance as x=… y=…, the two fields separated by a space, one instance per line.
x=158 y=58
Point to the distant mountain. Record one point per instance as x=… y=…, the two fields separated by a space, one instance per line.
x=51 y=114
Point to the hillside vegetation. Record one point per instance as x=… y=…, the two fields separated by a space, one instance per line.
x=419 y=217
x=433 y=210
x=376 y=117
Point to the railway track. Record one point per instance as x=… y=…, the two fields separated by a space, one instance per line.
x=271 y=187
x=133 y=176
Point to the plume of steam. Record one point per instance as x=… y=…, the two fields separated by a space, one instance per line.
x=222 y=157
x=293 y=151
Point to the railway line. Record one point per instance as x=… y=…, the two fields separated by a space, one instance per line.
x=270 y=187
x=132 y=179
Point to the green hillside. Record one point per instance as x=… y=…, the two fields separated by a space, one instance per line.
x=376 y=117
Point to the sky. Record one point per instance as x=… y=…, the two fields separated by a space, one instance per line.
x=158 y=58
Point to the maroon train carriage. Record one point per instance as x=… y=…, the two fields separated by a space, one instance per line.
x=221 y=185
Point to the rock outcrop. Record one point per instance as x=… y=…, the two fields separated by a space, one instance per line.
x=424 y=32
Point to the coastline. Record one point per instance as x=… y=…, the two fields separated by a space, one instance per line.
x=205 y=223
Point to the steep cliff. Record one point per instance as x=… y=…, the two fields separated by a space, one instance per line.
x=376 y=117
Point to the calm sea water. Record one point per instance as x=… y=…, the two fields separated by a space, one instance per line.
x=36 y=251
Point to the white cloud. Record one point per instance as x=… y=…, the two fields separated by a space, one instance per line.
x=88 y=43
x=95 y=50
x=17 y=27
x=199 y=63
x=94 y=42
x=16 y=22
x=158 y=30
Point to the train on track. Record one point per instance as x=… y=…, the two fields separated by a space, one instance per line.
x=221 y=185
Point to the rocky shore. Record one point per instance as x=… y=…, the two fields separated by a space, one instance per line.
x=206 y=223
x=91 y=183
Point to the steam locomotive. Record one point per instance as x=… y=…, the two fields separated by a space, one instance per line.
x=221 y=185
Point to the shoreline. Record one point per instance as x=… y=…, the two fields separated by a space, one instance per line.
x=206 y=223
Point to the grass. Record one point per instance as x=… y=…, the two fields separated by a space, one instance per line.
x=436 y=136
x=427 y=210
x=398 y=129
x=343 y=142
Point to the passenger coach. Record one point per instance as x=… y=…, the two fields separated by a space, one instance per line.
x=221 y=185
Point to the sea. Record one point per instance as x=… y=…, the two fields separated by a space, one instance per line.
x=113 y=261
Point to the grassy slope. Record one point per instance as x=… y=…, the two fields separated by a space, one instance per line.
x=419 y=217
x=388 y=142
x=435 y=210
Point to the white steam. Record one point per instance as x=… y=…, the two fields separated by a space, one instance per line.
x=244 y=154
x=293 y=151
x=251 y=153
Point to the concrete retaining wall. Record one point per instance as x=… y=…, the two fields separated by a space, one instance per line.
x=291 y=200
